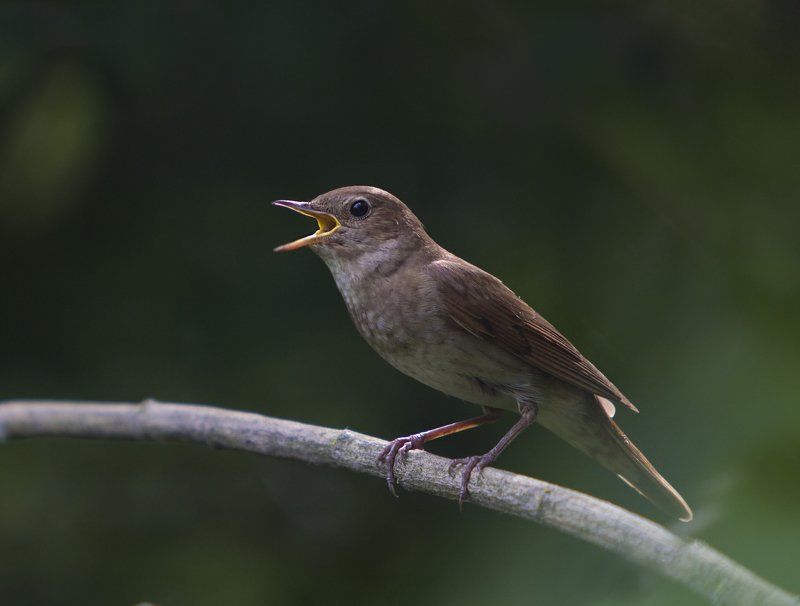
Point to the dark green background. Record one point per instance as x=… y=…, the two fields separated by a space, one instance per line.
x=630 y=169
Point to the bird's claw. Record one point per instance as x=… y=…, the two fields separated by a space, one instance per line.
x=388 y=456
x=469 y=465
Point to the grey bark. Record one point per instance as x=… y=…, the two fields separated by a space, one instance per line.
x=687 y=561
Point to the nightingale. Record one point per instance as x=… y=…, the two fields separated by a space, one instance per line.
x=460 y=330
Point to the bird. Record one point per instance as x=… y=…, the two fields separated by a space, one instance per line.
x=458 y=329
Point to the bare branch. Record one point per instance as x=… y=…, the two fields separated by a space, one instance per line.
x=690 y=562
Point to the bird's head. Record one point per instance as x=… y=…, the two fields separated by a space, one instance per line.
x=356 y=220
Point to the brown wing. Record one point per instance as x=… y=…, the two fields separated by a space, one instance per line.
x=484 y=306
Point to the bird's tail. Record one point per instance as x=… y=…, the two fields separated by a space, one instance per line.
x=596 y=434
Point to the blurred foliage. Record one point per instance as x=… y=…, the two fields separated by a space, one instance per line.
x=630 y=169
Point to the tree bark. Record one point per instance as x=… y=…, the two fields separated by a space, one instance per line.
x=687 y=561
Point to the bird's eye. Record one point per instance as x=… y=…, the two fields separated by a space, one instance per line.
x=359 y=208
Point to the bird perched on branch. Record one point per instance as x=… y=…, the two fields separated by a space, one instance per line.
x=458 y=329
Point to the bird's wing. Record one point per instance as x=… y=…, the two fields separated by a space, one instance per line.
x=483 y=305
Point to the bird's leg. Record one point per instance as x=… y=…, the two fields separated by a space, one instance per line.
x=528 y=417
x=415 y=441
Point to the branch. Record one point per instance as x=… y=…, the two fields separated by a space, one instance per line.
x=689 y=562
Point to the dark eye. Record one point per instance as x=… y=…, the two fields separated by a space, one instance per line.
x=359 y=208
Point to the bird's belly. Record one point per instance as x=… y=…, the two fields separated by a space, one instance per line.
x=414 y=334
x=458 y=365
x=469 y=387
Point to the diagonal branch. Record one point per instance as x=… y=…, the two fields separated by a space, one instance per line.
x=689 y=562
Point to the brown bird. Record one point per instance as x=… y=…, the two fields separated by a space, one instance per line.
x=458 y=329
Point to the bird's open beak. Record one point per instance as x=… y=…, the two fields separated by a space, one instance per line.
x=328 y=224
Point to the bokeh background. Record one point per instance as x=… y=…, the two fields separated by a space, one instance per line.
x=630 y=169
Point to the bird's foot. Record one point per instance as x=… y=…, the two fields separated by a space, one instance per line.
x=469 y=464
x=401 y=446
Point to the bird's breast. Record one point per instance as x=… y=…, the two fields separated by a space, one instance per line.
x=409 y=328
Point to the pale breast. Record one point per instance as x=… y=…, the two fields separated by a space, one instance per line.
x=409 y=328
